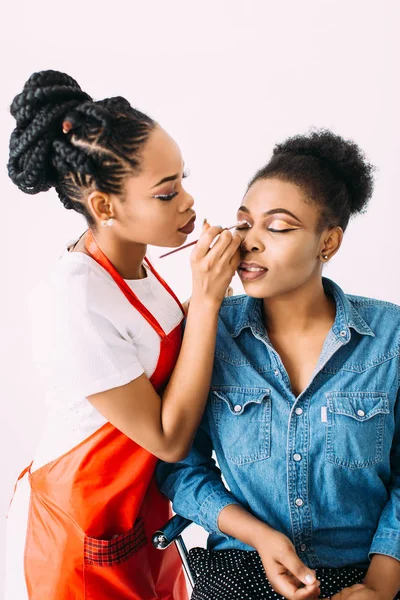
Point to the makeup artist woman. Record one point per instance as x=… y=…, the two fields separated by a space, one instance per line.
x=108 y=338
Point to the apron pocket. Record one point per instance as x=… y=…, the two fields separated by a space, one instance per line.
x=108 y=553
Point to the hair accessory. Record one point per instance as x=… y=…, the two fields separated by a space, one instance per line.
x=67 y=126
x=238 y=224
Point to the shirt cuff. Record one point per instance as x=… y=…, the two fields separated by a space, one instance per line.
x=210 y=509
x=386 y=541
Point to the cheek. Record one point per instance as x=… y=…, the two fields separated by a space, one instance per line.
x=293 y=253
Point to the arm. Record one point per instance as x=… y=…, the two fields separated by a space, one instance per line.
x=384 y=572
x=383 y=576
x=382 y=581
x=136 y=409
x=197 y=492
x=194 y=485
x=387 y=537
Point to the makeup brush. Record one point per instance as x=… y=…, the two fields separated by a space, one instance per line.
x=238 y=224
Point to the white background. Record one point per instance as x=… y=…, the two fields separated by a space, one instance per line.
x=228 y=79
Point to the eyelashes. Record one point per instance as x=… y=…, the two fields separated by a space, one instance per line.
x=242 y=225
x=172 y=195
x=282 y=230
x=166 y=197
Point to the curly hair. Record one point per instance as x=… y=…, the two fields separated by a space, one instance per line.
x=97 y=148
x=331 y=171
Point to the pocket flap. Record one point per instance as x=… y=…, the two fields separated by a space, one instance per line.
x=237 y=398
x=358 y=405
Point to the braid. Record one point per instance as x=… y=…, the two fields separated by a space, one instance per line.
x=100 y=149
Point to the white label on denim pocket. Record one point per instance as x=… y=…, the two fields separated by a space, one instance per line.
x=324 y=414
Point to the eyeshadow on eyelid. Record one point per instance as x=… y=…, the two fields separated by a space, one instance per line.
x=285 y=223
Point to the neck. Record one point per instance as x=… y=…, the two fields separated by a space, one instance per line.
x=299 y=310
x=127 y=257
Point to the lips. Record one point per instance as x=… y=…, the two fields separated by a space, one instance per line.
x=189 y=227
x=251 y=271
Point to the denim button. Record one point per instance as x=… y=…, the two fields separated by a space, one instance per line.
x=276 y=372
x=237 y=408
x=297 y=457
x=299 y=502
x=361 y=413
x=298 y=411
x=343 y=333
x=303 y=547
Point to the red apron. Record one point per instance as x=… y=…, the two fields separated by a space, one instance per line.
x=94 y=509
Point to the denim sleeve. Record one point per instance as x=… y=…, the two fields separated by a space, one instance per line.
x=194 y=485
x=387 y=536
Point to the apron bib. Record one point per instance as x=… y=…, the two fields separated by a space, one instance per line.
x=93 y=510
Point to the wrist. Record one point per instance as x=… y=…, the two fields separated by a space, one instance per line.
x=262 y=537
x=203 y=302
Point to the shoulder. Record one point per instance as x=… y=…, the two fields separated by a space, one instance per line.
x=382 y=317
x=76 y=289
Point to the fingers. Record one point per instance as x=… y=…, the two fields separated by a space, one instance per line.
x=289 y=584
x=207 y=237
x=288 y=587
x=225 y=247
x=299 y=569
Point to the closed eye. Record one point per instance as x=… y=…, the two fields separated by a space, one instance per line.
x=243 y=225
x=282 y=230
x=284 y=226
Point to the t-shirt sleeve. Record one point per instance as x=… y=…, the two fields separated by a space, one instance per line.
x=80 y=351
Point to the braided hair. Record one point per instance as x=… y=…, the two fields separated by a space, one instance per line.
x=64 y=139
x=332 y=172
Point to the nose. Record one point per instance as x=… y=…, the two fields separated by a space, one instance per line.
x=187 y=202
x=252 y=242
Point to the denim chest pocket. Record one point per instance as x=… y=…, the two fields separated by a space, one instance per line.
x=355 y=428
x=242 y=418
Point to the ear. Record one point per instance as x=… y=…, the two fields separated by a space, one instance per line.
x=331 y=240
x=100 y=205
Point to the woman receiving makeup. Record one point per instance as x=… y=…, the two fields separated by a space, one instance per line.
x=121 y=390
x=303 y=411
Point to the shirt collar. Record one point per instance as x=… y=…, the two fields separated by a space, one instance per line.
x=346 y=318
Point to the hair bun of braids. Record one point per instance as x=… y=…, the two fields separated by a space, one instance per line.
x=343 y=158
x=39 y=111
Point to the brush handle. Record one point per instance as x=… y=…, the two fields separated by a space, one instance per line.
x=191 y=243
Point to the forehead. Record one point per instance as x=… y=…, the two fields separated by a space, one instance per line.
x=268 y=194
x=160 y=156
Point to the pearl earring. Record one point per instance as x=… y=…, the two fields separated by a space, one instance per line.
x=325 y=256
x=108 y=223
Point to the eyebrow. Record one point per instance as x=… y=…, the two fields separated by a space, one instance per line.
x=273 y=211
x=165 y=179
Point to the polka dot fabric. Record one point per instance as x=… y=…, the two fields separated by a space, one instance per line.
x=239 y=575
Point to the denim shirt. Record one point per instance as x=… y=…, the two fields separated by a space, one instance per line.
x=324 y=467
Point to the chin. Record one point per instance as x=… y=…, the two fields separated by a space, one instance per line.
x=173 y=242
x=262 y=290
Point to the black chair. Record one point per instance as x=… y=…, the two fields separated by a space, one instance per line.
x=172 y=533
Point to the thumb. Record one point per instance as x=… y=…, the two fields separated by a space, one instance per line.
x=299 y=569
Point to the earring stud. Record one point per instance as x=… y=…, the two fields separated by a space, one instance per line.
x=108 y=223
x=325 y=257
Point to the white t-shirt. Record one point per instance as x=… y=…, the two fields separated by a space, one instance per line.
x=88 y=338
